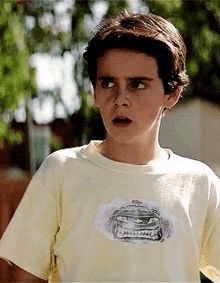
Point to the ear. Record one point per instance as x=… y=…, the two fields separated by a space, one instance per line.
x=172 y=98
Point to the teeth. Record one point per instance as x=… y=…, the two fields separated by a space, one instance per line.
x=146 y=234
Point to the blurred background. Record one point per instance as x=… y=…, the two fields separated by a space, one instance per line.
x=45 y=98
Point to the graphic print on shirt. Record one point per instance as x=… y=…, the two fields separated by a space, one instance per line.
x=136 y=221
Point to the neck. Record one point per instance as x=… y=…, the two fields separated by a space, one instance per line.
x=132 y=153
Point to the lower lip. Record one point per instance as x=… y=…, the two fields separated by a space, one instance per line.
x=121 y=124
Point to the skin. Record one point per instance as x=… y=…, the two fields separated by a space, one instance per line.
x=16 y=274
x=128 y=86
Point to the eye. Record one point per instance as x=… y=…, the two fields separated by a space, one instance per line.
x=138 y=220
x=122 y=219
x=153 y=220
x=107 y=83
x=137 y=84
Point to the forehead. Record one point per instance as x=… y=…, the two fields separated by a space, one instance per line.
x=126 y=62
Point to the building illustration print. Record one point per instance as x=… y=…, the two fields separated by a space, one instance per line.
x=136 y=222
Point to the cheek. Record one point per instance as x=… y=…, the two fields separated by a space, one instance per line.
x=103 y=99
x=96 y=102
x=97 y=99
x=149 y=109
x=150 y=104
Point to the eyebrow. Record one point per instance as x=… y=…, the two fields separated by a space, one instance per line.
x=105 y=77
x=141 y=78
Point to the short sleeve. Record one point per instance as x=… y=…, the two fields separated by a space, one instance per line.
x=210 y=255
x=29 y=238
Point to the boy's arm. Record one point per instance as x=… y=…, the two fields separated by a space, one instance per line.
x=17 y=274
x=24 y=276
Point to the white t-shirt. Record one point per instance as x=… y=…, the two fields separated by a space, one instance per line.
x=85 y=218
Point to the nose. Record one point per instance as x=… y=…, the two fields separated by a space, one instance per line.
x=121 y=98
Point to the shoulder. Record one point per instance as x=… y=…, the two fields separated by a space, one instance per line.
x=199 y=173
x=58 y=167
x=62 y=156
x=59 y=162
x=190 y=166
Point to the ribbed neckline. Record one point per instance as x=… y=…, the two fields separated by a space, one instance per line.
x=91 y=153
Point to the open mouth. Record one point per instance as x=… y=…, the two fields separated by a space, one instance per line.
x=122 y=121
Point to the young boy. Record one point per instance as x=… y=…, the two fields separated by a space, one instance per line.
x=123 y=209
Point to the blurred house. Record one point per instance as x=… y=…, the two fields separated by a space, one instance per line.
x=192 y=129
x=16 y=158
x=44 y=140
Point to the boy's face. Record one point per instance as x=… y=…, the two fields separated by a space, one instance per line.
x=130 y=95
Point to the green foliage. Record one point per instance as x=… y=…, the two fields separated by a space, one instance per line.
x=199 y=23
x=6 y=134
x=16 y=77
x=55 y=143
x=116 y=7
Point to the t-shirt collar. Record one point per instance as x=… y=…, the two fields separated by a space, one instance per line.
x=91 y=153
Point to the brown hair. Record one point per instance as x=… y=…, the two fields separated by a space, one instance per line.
x=149 y=34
